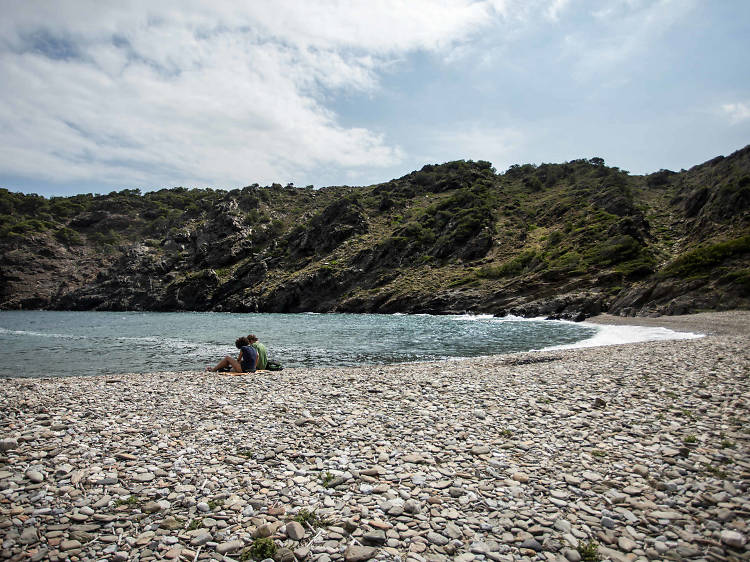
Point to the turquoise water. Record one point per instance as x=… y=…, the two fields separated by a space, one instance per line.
x=46 y=343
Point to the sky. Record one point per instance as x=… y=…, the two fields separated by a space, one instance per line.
x=101 y=96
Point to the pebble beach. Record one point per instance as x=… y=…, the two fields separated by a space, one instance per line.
x=624 y=452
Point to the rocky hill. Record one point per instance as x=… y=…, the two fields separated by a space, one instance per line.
x=561 y=240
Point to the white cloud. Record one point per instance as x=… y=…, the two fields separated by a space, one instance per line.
x=196 y=93
x=555 y=8
x=737 y=112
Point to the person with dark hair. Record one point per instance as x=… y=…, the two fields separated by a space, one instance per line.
x=261 y=349
x=246 y=361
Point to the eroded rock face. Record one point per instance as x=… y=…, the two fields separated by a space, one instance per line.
x=571 y=306
x=325 y=231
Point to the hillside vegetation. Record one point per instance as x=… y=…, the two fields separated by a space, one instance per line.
x=561 y=240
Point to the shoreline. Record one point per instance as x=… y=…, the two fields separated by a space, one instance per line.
x=732 y=322
x=640 y=448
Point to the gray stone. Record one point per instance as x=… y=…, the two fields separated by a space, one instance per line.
x=69 y=545
x=356 y=553
x=35 y=476
x=8 y=444
x=171 y=523
x=144 y=477
x=375 y=537
x=151 y=507
x=201 y=539
x=284 y=554
x=456 y=492
x=733 y=539
x=263 y=531
x=412 y=506
x=532 y=544
x=437 y=539
x=295 y=531
x=626 y=544
x=521 y=477
x=231 y=546
x=28 y=536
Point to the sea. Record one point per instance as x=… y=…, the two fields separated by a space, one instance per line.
x=62 y=344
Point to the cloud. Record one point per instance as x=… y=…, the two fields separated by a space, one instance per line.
x=737 y=112
x=555 y=8
x=196 y=93
x=619 y=34
x=477 y=141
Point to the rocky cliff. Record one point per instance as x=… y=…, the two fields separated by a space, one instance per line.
x=562 y=240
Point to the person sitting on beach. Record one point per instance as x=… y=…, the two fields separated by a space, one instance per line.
x=261 y=349
x=246 y=361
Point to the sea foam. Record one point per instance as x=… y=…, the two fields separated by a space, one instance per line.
x=615 y=335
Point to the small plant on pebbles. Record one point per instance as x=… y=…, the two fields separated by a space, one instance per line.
x=130 y=500
x=507 y=433
x=311 y=518
x=690 y=439
x=195 y=524
x=715 y=471
x=598 y=453
x=589 y=551
x=727 y=444
x=326 y=479
x=261 y=549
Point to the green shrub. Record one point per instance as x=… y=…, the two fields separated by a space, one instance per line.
x=416 y=232
x=29 y=226
x=110 y=238
x=311 y=518
x=130 y=500
x=569 y=261
x=703 y=259
x=740 y=278
x=615 y=250
x=261 y=549
x=69 y=236
x=589 y=551
x=639 y=267
x=519 y=264
x=555 y=237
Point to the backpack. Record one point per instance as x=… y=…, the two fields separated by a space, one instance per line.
x=273 y=366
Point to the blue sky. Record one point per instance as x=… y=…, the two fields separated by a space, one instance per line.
x=102 y=96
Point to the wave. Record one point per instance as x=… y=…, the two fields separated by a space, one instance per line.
x=473 y=317
x=39 y=334
x=617 y=335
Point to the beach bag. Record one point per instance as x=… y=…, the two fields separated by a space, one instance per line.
x=273 y=366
